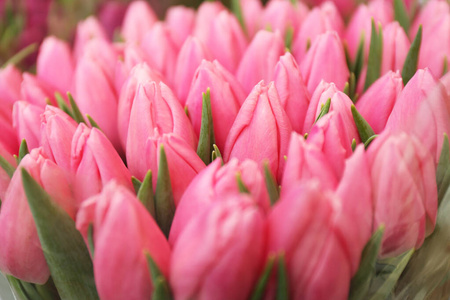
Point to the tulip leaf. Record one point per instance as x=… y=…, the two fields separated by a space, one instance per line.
x=161 y=289
x=288 y=38
x=63 y=246
x=92 y=122
x=359 y=59
x=443 y=170
x=353 y=144
x=23 y=150
x=23 y=290
x=90 y=238
x=136 y=184
x=145 y=194
x=445 y=66
x=282 y=279
x=325 y=108
x=63 y=105
x=206 y=140
x=216 y=153
x=236 y=8
x=260 y=288
x=401 y=15
x=375 y=56
x=361 y=280
x=412 y=58
x=271 y=185
x=369 y=141
x=364 y=129
x=21 y=55
x=241 y=185
x=164 y=202
x=76 y=113
x=7 y=167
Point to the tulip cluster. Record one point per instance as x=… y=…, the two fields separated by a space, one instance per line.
x=268 y=152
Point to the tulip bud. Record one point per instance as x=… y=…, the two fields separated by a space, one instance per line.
x=325 y=61
x=138 y=20
x=226 y=97
x=232 y=235
x=395 y=48
x=215 y=182
x=26 y=117
x=345 y=7
x=206 y=14
x=260 y=59
x=119 y=219
x=36 y=91
x=280 y=15
x=180 y=20
x=87 y=30
x=377 y=102
x=251 y=13
x=94 y=163
x=163 y=113
x=291 y=88
x=111 y=16
x=10 y=82
x=8 y=136
x=21 y=253
x=4 y=176
x=261 y=130
x=404 y=191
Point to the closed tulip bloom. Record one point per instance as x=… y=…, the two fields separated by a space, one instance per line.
x=10 y=82
x=26 y=118
x=36 y=91
x=292 y=90
x=55 y=64
x=445 y=80
x=325 y=61
x=395 y=48
x=404 y=191
x=212 y=184
x=322 y=93
x=261 y=130
x=8 y=136
x=232 y=235
x=4 y=177
x=260 y=59
x=226 y=96
x=111 y=15
x=180 y=20
x=138 y=20
x=319 y=20
x=251 y=13
x=207 y=12
x=94 y=163
x=87 y=30
x=281 y=15
x=162 y=112
x=119 y=219
x=21 y=253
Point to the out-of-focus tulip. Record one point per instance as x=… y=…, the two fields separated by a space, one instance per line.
x=251 y=13
x=206 y=14
x=154 y=108
x=4 y=177
x=261 y=130
x=111 y=15
x=138 y=20
x=226 y=96
x=87 y=30
x=232 y=235
x=26 y=120
x=119 y=219
x=8 y=136
x=281 y=15
x=423 y=109
x=404 y=191
x=10 y=82
x=36 y=91
x=212 y=184
x=55 y=64
x=180 y=20
x=260 y=59
x=445 y=80
x=94 y=163
x=377 y=102
x=345 y=7
x=21 y=253
x=292 y=90
x=318 y=21
x=395 y=48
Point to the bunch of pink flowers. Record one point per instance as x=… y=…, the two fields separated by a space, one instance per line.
x=277 y=152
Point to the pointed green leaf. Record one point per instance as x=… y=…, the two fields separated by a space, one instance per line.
x=164 y=203
x=136 y=184
x=359 y=59
x=369 y=141
x=7 y=167
x=23 y=150
x=90 y=238
x=77 y=115
x=186 y=111
x=324 y=109
x=145 y=194
x=92 y=122
x=353 y=145
x=21 y=55
x=445 y=66
x=348 y=59
x=412 y=58
x=375 y=53
x=48 y=290
x=346 y=89
x=361 y=280
x=63 y=105
x=63 y=246
x=282 y=280
x=241 y=185
x=155 y=272
x=401 y=15
x=364 y=129
x=20 y=291
x=216 y=153
x=237 y=11
x=288 y=38
x=260 y=288
x=271 y=185
x=352 y=87
x=443 y=170
x=206 y=139
x=161 y=289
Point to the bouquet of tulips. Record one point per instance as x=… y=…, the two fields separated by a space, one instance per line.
x=293 y=150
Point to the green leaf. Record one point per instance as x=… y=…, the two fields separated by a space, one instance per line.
x=63 y=105
x=7 y=167
x=271 y=185
x=161 y=290
x=145 y=194
x=241 y=185
x=364 y=129
x=164 y=203
x=206 y=139
x=401 y=15
x=445 y=66
x=63 y=246
x=288 y=38
x=92 y=122
x=260 y=288
x=77 y=115
x=324 y=110
x=361 y=280
x=352 y=87
x=375 y=56
x=369 y=141
x=282 y=279
x=21 y=55
x=353 y=145
x=359 y=59
x=136 y=184
x=412 y=58
x=443 y=170
x=237 y=11
x=90 y=238
x=23 y=150
x=216 y=153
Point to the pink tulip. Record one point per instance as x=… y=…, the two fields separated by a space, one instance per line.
x=26 y=118
x=292 y=90
x=4 y=177
x=111 y=15
x=318 y=21
x=36 y=91
x=260 y=59
x=10 y=82
x=377 y=102
x=215 y=182
x=345 y=7
x=154 y=108
x=206 y=14
x=55 y=64
x=281 y=15
x=138 y=20
x=21 y=253
x=423 y=109
x=251 y=13
x=87 y=30
x=404 y=191
x=8 y=136
x=261 y=130
x=94 y=163
x=445 y=80
x=119 y=219
x=232 y=237
x=395 y=48
x=226 y=97
x=325 y=61
x=180 y=20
